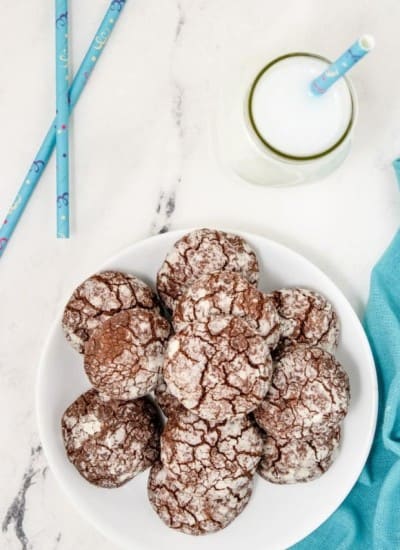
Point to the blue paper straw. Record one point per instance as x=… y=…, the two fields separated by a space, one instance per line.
x=340 y=67
x=62 y=119
x=46 y=149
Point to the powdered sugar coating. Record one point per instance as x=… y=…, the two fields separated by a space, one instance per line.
x=297 y=460
x=165 y=400
x=198 y=452
x=98 y=298
x=218 y=369
x=194 y=513
x=309 y=395
x=228 y=293
x=109 y=442
x=200 y=252
x=306 y=317
x=124 y=356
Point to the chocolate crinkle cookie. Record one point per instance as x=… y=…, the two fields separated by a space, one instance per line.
x=306 y=317
x=298 y=460
x=218 y=369
x=201 y=453
x=123 y=357
x=308 y=397
x=200 y=252
x=100 y=297
x=228 y=293
x=109 y=442
x=194 y=513
x=167 y=402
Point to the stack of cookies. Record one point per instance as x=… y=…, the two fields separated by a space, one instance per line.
x=246 y=380
x=112 y=432
x=309 y=393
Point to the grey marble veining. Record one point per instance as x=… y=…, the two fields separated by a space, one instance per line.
x=177 y=108
x=164 y=210
x=181 y=21
x=167 y=199
x=15 y=514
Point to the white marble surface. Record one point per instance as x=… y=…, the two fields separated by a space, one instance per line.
x=143 y=161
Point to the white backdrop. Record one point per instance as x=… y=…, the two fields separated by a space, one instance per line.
x=141 y=138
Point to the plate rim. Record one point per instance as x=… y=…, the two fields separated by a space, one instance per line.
x=109 y=533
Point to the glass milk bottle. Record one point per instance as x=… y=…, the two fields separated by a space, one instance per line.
x=273 y=131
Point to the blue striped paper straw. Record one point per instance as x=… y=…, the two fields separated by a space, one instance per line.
x=42 y=158
x=62 y=119
x=340 y=67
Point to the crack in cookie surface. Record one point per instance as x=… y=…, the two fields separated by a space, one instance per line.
x=218 y=369
x=309 y=395
x=297 y=460
x=167 y=402
x=228 y=293
x=196 y=513
x=198 y=452
x=124 y=356
x=200 y=252
x=109 y=442
x=99 y=298
x=306 y=317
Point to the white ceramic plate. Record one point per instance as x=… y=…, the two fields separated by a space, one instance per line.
x=277 y=516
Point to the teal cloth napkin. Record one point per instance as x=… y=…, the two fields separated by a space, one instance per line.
x=369 y=518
